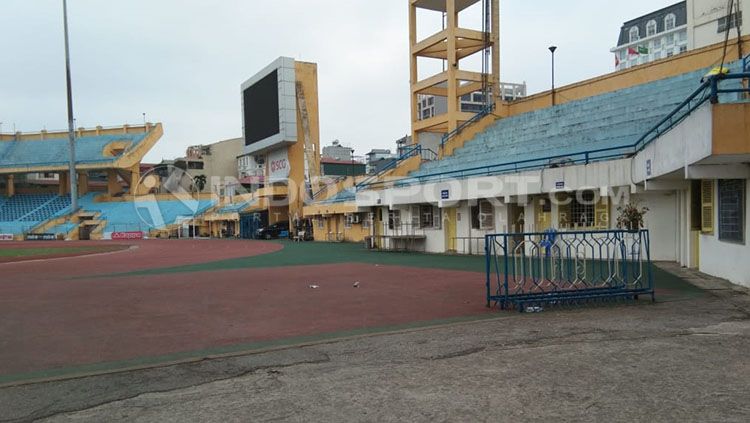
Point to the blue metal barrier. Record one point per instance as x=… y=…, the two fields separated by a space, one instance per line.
x=536 y=269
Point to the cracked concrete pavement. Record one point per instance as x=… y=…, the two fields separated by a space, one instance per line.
x=686 y=360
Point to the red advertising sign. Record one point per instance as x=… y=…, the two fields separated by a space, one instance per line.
x=127 y=235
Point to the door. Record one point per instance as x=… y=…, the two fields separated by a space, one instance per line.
x=449 y=229
x=84 y=232
x=377 y=227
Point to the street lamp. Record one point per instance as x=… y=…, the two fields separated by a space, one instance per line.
x=552 y=50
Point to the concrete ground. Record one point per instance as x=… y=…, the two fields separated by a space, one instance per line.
x=681 y=360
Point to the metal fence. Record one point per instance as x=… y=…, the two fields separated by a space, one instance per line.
x=558 y=268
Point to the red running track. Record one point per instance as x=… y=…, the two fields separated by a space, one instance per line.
x=48 y=321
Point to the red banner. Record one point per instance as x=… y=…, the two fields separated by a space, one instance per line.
x=127 y=235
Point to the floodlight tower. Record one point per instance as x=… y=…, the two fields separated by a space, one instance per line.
x=451 y=45
x=71 y=122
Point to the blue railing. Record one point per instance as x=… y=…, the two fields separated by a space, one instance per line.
x=416 y=150
x=476 y=118
x=557 y=268
x=708 y=90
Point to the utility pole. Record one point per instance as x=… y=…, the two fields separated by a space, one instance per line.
x=71 y=124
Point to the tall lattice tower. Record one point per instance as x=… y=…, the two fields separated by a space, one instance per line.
x=439 y=101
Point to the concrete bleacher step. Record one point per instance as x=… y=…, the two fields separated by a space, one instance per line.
x=613 y=120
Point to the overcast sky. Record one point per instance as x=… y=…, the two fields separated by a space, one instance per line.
x=182 y=62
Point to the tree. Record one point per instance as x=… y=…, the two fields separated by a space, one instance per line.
x=200 y=182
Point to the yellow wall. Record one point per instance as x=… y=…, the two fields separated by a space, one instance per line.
x=731 y=126
x=335 y=224
x=307 y=76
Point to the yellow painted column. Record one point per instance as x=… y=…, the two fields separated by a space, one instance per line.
x=11 y=186
x=83 y=183
x=64 y=187
x=453 y=108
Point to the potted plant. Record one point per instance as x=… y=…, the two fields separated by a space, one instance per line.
x=631 y=217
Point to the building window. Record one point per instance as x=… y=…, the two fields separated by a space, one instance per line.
x=583 y=209
x=394 y=219
x=651 y=28
x=482 y=215
x=670 y=22
x=683 y=49
x=734 y=22
x=321 y=222
x=634 y=34
x=732 y=210
x=367 y=220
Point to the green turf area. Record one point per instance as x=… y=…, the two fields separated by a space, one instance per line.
x=47 y=251
x=312 y=253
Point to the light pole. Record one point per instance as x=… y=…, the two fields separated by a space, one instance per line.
x=71 y=124
x=552 y=50
x=144 y=118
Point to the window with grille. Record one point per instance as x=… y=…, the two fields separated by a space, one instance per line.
x=483 y=215
x=732 y=210
x=583 y=209
x=734 y=22
x=367 y=220
x=394 y=219
x=651 y=28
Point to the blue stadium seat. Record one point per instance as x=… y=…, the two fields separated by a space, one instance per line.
x=55 y=151
x=610 y=120
x=23 y=212
x=143 y=215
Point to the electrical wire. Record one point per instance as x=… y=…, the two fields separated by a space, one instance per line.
x=730 y=18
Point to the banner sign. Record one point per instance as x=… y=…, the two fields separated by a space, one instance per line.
x=6 y=237
x=127 y=235
x=41 y=237
x=278 y=165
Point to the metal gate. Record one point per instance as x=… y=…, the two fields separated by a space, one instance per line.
x=541 y=268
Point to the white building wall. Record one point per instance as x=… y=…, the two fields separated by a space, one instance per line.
x=727 y=260
x=662 y=223
x=703 y=21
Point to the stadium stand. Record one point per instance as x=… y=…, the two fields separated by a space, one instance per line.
x=22 y=212
x=55 y=151
x=144 y=214
x=611 y=120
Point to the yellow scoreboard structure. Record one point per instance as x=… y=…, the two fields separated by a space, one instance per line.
x=281 y=130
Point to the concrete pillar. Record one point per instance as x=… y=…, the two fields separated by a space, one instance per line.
x=135 y=179
x=11 y=185
x=83 y=183
x=113 y=185
x=64 y=187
